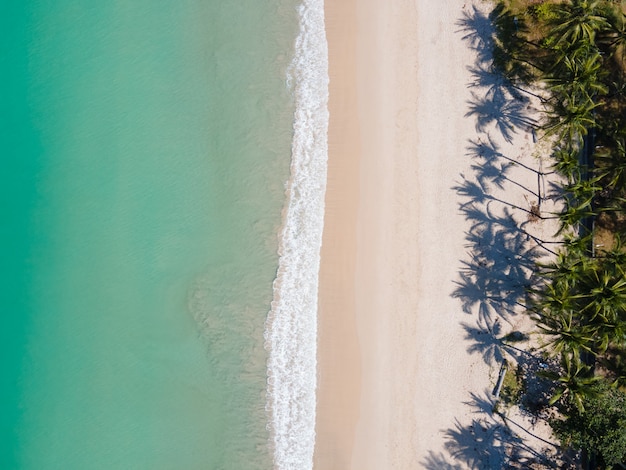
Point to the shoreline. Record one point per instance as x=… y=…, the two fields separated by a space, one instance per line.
x=399 y=380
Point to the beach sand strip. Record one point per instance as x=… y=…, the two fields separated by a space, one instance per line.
x=401 y=378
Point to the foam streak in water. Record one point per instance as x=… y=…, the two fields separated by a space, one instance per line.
x=291 y=328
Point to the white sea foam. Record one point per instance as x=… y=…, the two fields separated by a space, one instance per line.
x=291 y=327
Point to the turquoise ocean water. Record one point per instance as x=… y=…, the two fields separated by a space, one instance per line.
x=146 y=148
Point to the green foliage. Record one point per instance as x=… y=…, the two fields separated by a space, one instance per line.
x=566 y=160
x=578 y=78
x=545 y=12
x=599 y=428
x=512 y=386
x=581 y=305
x=577 y=50
x=565 y=334
x=575 y=23
x=575 y=383
x=571 y=119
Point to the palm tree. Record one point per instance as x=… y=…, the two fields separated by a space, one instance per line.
x=567 y=268
x=564 y=334
x=578 y=245
x=579 y=195
x=567 y=160
x=574 y=214
x=554 y=306
x=608 y=334
x=572 y=117
x=576 y=21
x=575 y=77
x=582 y=189
x=581 y=305
x=578 y=76
x=512 y=51
x=575 y=382
x=601 y=296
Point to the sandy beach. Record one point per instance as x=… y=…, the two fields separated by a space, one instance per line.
x=433 y=172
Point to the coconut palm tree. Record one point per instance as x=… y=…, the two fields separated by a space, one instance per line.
x=601 y=296
x=567 y=160
x=566 y=269
x=562 y=333
x=578 y=245
x=576 y=21
x=575 y=382
x=582 y=189
x=554 y=306
x=574 y=214
x=578 y=76
x=579 y=195
x=571 y=118
x=609 y=334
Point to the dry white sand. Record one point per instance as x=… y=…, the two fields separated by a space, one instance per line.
x=430 y=184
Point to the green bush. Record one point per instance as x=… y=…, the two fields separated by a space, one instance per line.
x=544 y=12
x=512 y=386
x=600 y=429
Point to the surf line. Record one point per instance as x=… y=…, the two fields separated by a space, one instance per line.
x=291 y=325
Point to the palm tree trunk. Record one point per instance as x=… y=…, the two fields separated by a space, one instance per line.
x=523 y=90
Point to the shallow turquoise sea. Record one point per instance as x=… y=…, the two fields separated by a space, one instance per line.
x=145 y=145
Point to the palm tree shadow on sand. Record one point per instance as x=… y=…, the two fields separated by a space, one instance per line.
x=497 y=101
x=488 y=442
x=494 y=278
x=501 y=250
x=501 y=254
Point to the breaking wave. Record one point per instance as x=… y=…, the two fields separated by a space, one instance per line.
x=291 y=326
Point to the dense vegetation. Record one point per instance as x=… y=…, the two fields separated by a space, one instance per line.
x=572 y=55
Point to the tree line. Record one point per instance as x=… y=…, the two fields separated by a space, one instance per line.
x=571 y=55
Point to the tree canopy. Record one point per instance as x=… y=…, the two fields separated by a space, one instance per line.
x=599 y=427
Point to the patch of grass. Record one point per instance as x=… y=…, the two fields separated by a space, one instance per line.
x=544 y=12
x=519 y=7
x=512 y=386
